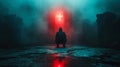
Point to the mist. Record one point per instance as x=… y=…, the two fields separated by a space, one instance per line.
x=33 y=12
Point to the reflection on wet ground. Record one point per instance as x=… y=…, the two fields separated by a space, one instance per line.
x=49 y=56
x=70 y=62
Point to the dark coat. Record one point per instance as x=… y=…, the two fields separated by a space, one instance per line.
x=60 y=38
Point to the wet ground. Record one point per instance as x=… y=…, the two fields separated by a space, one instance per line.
x=50 y=56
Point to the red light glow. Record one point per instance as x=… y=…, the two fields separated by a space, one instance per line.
x=59 y=17
x=57 y=63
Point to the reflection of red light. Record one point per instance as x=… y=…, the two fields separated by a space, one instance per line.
x=58 y=63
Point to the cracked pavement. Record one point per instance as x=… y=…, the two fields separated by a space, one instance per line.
x=73 y=56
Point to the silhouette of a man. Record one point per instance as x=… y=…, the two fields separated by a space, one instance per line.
x=60 y=38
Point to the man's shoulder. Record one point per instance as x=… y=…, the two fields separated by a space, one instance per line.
x=63 y=32
x=60 y=32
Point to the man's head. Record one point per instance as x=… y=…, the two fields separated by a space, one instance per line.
x=60 y=29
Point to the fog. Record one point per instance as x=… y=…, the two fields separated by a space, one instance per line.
x=33 y=12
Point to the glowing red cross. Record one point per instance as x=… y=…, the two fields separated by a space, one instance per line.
x=59 y=16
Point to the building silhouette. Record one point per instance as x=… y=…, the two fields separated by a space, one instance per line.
x=108 y=27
